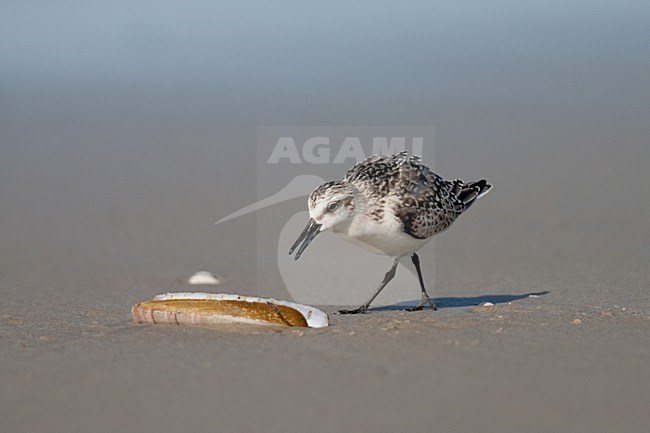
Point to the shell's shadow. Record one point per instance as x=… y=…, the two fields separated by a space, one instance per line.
x=461 y=301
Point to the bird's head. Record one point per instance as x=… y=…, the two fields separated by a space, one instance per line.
x=331 y=207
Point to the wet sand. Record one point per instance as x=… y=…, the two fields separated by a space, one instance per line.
x=525 y=366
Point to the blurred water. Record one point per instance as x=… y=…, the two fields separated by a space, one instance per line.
x=582 y=53
x=127 y=128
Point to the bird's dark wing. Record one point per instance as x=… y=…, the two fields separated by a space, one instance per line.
x=425 y=203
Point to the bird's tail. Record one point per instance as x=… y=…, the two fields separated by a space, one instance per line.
x=472 y=191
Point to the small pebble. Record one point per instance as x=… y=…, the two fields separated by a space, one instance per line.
x=487 y=304
x=533 y=296
x=577 y=322
x=203 y=277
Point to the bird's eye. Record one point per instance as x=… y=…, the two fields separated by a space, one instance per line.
x=332 y=206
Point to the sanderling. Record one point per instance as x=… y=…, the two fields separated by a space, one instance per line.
x=390 y=205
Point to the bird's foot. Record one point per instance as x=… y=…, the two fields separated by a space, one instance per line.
x=425 y=301
x=361 y=310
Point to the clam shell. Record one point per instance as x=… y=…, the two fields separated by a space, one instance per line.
x=203 y=277
x=212 y=308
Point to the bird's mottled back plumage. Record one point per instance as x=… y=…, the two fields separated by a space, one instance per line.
x=425 y=203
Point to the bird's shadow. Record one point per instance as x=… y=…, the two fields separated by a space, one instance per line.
x=461 y=301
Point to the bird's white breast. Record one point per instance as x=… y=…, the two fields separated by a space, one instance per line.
x=381 y=237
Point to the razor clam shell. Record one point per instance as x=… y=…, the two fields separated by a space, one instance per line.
x=314 y=317
x=209 y=311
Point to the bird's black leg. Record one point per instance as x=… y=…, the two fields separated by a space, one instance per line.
x=389 y=276
x=425 y=297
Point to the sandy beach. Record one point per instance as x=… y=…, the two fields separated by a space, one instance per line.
x=110 y=187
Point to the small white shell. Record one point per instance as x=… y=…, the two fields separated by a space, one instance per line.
x=314 y=317
x=203 y=277
x=487 y=304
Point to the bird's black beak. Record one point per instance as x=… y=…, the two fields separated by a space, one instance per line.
x=307 y=235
